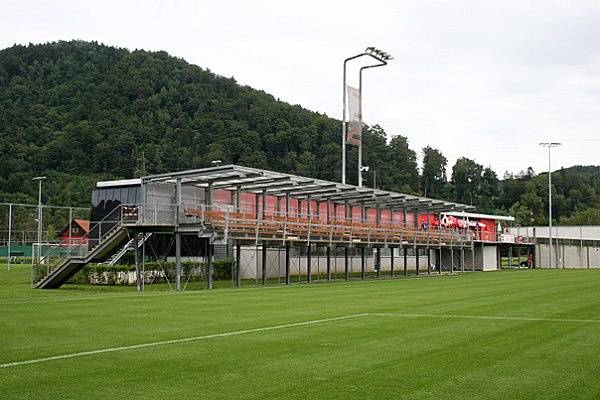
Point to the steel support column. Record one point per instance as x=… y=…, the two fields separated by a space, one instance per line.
x=405 y=260
x=287 y=263
x=362 y=263
x=416 y=260
x=178 y=235
x=428 y=261
x=178 y=260
x=209 y=265
x=238 y=263
x=328 y=251
x=308 y=263
x=378 y=261
x=138 y=269
x=392 y=262
x=346 y=270
x=263 y=263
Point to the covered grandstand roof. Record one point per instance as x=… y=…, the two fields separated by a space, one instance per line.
x=252 y=180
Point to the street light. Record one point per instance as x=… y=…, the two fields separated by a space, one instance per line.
x=550 y=145
x=382 y=57
x=39 y=218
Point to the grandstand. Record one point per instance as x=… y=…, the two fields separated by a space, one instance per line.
x=263 y=212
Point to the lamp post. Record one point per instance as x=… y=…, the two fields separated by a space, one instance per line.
x=39 y=218
x=380 y=56
x=550 y=145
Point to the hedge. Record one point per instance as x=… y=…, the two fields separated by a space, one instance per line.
x=154 y=272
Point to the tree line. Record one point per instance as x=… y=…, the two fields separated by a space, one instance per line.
x=79 y=112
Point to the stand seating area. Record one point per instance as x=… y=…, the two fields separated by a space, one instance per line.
x=244 y=226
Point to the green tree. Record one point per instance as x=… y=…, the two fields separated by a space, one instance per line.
x=433 y=177
x=589 y=216
x=404 y=161
x=466 y=178
x=488 y=191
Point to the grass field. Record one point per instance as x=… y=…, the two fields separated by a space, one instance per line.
x=500 y=335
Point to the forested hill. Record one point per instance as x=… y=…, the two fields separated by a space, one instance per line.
x=78 y=112
x=80 y=109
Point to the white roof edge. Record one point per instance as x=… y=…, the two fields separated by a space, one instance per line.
x=121 y=182
x=484 y=216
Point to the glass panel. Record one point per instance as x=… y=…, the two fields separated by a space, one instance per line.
x=133 y=195
x=123 y=195
x=95 y=196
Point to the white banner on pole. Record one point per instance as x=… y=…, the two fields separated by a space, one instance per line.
x=354 y=119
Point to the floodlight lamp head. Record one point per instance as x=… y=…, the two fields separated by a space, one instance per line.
x=378 y=54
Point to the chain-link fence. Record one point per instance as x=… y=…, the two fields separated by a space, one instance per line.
x=21 y=229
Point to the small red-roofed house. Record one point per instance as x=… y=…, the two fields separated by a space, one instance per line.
x=76 y=233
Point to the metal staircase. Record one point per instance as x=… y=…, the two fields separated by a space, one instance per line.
x=111 y=234
x=129 y=246
x=69 y=266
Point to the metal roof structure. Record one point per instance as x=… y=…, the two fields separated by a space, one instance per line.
x=259 y=181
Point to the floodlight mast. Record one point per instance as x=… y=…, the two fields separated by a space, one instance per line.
x=550 y=145
x=39 y=217
x=380 y=56
x=344 y=128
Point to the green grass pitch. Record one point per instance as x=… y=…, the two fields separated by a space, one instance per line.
x=529 y=334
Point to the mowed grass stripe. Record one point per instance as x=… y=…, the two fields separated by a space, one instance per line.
x=292 y=325
x=499 y=318
x=177 y=341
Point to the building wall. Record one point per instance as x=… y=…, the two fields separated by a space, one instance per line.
x=564 y=232
x=568 y=256
x=489 y=257
x=482 y=258
x=572 y=246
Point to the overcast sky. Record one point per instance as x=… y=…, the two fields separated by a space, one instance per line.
x=487 y=80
